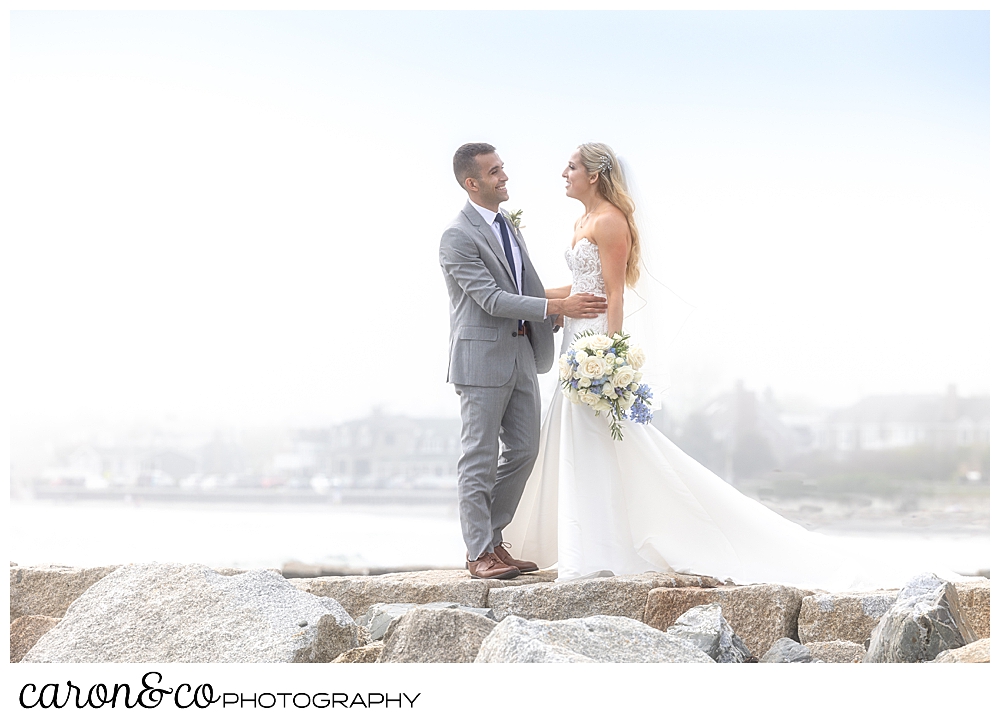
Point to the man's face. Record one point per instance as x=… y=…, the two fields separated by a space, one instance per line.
x=492 y=181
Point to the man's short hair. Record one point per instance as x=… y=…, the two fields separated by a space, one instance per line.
x=465 y=163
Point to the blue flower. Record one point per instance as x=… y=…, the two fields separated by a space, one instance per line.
x=640 y=413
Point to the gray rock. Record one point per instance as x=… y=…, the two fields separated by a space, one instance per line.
x=600 y=638
x=925 y=620
x=379 y=616
x=759 y=614
x=360 y=592
x=621 y=596
x=849 y=616
x=441 y=635
x=529 y=650
x=50 y=589
x=26 y=631
x=786 y=650
x=977 y=652
x=705 y=628
x=365 y=654
x=169 y=613
x=836 y=651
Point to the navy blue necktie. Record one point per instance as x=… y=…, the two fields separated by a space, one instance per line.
x=510 y=257
x=506 y=247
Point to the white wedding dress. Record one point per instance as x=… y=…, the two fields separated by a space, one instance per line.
x=594 y=505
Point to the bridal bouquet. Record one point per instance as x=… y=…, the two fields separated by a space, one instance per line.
x=603 y=372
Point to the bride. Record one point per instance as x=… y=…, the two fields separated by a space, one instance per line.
x=595 y=506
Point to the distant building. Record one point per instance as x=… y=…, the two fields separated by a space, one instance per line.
x=378 y=451
x=906 y=420
x=739 y=434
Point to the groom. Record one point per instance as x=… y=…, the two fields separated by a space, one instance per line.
x=501 y=338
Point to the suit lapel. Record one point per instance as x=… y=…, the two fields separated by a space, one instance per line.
x=530 y=279
x=491 y=238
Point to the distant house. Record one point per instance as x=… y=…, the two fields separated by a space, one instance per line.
x=378 y=451
x=739 y=435
x=906 y=420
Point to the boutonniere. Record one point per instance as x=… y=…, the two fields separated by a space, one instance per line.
x=515 y=219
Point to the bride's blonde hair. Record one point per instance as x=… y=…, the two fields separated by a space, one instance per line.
x=600 y=159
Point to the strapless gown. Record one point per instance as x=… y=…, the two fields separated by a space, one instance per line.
x=595 y=506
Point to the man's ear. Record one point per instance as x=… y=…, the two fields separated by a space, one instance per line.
x=471 y=184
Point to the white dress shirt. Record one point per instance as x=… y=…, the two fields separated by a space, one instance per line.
x=491 y=218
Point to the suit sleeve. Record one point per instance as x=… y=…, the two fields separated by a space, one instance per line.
x=460 y=260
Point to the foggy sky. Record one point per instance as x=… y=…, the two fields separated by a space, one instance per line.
x=234 y=217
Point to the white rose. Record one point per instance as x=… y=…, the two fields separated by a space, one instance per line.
x=574 y=395
x=608 y=390
x=598 y=342
x=633 y=386
x=637 y=377
x=585 y=381
x=589 y=398
x=636 y=357
x=609 y=358
x=565 y=369
x=627 y=400
x=622 y=377
x=593 y=366
x=582 y=344
x=602 y=405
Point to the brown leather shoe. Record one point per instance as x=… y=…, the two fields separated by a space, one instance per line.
x=489 y=567
x=506 y=559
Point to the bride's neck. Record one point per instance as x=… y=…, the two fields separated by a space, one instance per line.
x=592 y=203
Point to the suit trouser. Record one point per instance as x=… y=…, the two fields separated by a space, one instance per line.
x=500 y=431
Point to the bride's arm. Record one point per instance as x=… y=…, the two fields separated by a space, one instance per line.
x=558 y=293
x=612 y=238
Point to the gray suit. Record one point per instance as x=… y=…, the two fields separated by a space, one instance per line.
x=494 y=372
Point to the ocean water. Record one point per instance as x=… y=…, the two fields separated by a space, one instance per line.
x=87 y=534
x=91 y=534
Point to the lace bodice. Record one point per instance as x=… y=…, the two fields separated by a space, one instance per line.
x=584 y=261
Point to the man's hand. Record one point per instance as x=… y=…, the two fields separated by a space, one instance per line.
x=579 y=306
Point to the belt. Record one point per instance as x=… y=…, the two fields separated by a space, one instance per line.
x=520 y=331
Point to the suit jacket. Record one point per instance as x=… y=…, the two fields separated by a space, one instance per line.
x=485 y=306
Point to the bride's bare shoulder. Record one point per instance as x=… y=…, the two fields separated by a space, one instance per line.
x=610 y=228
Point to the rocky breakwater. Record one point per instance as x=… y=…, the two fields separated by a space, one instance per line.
x=167 y=613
